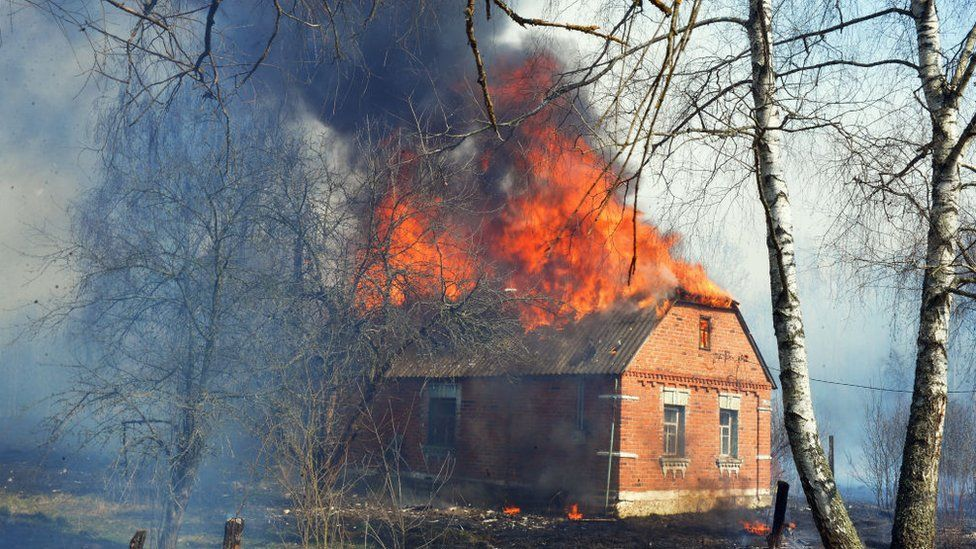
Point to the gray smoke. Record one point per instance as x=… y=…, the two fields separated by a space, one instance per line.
x=380 y=66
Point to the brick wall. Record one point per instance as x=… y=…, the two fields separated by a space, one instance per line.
x=520 y=434
x=671 y=358
x=672 y=347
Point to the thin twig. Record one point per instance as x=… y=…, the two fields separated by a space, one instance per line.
x=482 y=75
x=531 y=21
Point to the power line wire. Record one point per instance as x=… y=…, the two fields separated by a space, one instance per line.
x=873 y=388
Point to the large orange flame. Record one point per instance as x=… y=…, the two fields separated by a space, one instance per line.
x=511 y=510
x=410 y=256
x=571 y=244
x=562 y=232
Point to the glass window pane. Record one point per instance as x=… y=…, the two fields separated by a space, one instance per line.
x=729 y=432
x=441 y=421
x=681 y=431
x=580 y=398
x=674 y=430
x=734 y=442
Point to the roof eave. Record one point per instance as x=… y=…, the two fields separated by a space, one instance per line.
x=752 y=341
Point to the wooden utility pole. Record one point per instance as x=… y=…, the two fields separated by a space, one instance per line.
x=779 y=513
x=233 y=533
x=138 y=540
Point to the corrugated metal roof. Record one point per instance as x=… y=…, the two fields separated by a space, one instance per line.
x=599 y=343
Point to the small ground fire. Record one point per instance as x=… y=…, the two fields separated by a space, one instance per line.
x=756 y=527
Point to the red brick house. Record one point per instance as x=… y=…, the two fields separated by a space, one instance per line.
x=657 y=410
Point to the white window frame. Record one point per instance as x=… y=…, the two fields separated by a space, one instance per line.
x=674 y=443
x=728 y=434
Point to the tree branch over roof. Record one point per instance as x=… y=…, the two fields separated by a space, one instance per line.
x=480 y=65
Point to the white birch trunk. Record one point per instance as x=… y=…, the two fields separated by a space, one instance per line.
x=915 y=508
x=816 y=478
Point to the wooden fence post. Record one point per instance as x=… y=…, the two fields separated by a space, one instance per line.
x=830 y=444
x=233 y=533
x=138 y=540
x=779 y=513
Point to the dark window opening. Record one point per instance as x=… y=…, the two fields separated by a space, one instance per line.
x=441 y=421
x=729 y=432
x=580 y=395
x=704 y=333
x=674 y=430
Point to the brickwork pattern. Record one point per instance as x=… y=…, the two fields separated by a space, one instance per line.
x=511 y=431
x=671 y=358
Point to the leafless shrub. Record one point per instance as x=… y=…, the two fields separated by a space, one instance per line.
x=400 y=511
x=882 y=441
x=369 y=284
x=957 y=470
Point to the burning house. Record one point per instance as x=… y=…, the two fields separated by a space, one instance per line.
x=635 y=410
x=643 y=392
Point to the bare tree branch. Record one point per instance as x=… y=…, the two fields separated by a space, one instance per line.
x=479 y=64
x=593 y=30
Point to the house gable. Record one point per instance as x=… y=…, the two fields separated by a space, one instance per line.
x=673 y=347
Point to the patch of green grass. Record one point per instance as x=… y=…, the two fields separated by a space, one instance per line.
x=69 y=520
x=76 y=515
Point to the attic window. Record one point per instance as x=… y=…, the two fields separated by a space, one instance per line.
x=704 y=333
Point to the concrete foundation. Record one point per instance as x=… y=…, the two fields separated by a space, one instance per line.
x=670 y=502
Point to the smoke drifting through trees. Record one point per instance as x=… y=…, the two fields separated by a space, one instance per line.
x=715 y=112
x=882 y=445
x=282 y=250
x=163 y=298
x=212 y=279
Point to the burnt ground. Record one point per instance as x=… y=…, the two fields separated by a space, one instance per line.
x=52 y=500
x=480 y=528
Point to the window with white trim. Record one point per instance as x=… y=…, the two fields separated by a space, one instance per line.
x=674 y=430
x=729 y=432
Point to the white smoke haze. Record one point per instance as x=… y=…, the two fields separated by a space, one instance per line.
x=47 y=111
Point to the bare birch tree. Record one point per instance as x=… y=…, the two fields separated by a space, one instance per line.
x=918 y=238
x=915 y=512
x=830 y=515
